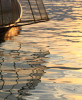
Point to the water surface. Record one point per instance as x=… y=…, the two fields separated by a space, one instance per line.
x=44 y=61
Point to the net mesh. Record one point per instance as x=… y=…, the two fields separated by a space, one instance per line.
x=21 y=12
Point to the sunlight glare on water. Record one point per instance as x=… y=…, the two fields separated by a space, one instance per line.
x=44 y=62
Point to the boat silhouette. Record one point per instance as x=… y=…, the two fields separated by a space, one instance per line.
x=21 y=12
x=10 y=12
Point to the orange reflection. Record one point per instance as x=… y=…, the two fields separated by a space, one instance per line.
x=69 y=80
x=8 y=33
x=75 y=97
x=12 y=32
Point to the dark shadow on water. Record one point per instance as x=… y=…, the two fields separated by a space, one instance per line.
x=2 y=34
x=65 y=68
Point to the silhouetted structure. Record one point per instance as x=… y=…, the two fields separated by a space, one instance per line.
x=21 y=12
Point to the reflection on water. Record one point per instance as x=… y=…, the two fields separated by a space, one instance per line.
x=44 y=62
x=8 y=33
x=20 y=71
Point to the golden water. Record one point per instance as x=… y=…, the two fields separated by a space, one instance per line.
x=44 y=62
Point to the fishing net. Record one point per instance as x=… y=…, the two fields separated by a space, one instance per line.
x=20 y=12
